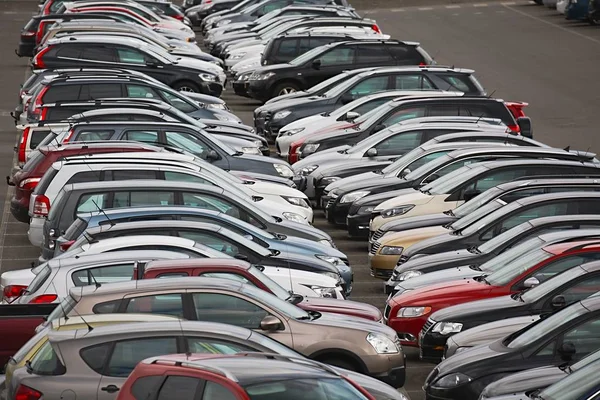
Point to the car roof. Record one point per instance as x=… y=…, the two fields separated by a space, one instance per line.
x=100 y=144
x=536 y=222
x=566 y=180
x=560 y=248
x=520 y=150
x=121 y=226
x=568 y=234
x=412 y=68
x=555 y=196
x=463 y=99
x=110 y=318
x=92 y=259
x=488 y=165
x=140 y=183
x=160 y=265
x=98 y=39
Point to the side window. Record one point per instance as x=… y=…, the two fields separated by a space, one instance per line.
x=210 y=203
x=130 y=56
x=370 y=105
x=339 y=56
x=141 y=91
x=99 y=53
x=369 y=86
x=128 y=353
x=422 y=161
x=143 y=198
x=545 y=210
x=93 y=135
x=91 y=203
x=123 y=175
x=558 y=266
x=177 y=102
x=179 y=176
x=459 y=83
x=108 y=274
x=189 y=253
x=180 y=388
x=95 y=356
x=172 y=275
x=521 y=194
x=489 y=181
x=187 y=141
x=212 y=346
x=475 y=110
x=101 y=91
x=227 y=309
x=287 y=50
x=212 y=240
x=455 y=165
x=69 y=52
x=585 y=337
x=225 y=275
x=399 y=144
x=443 y=110
x=373 y=54
x=145 y=136
x=406 y=55
x=308 y=43
x=145 y=387
x=108 y=307
x=82 y=177
x=403 y=115
x=62 y=93
x=413 y=82
x=214 y=391
x=169 y=304
x=582 y=289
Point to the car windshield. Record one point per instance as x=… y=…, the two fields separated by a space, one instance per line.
x=302 y=389
x=271 y=284
x=500 y=240
x=517 y=267
x=403 y=161
x=301 y=59
x=373 y=116
x=491 y=218
x=500 y=261
x=452 y=180
x=429 y=167
x=536 y=331
x=473 y=204
x=476 y=215
x=275 y=302
x=575 y=386
x=551 y=284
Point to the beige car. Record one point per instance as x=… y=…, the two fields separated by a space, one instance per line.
x=352 y=343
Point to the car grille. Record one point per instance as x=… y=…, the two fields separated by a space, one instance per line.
x=377 y=235
x=428 y=325
x=386 y=312
x=402 y=260
x=330 y=203
x=432 y=375
x=374 y=247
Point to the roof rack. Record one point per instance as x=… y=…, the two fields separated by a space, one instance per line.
x=197 y=365
x=567 y=177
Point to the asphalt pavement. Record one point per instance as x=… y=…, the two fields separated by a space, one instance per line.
x=520 y=52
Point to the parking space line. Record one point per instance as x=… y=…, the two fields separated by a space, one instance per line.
x=425 y=8
x=453 y=6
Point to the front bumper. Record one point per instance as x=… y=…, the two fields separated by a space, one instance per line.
x=358 y=225
x=211 y=88
x=259 y=90
x=408 y=329
x=382 y=266
x=240 y=88
x=337 y=212
x=432 y=346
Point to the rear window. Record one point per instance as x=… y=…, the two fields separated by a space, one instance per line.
x=461 y=83
x=57 y=93
x=26 y=348
x=76 y=229
x=30 y=81
x=46 y=362
x=45 y=181
x=38 y=137
x=35 y=158
x=60 y=113
x=39 y=279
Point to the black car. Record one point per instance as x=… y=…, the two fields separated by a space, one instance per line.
x=220 y=8
x=184 y=74
x=323 y=62
x=566 y=336
x=536 y=378
x=345 y=202
x=350 y=85
x=403 y=109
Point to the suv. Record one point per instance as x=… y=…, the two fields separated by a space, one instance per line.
x=326 y=61
x=92 y=51
x=349 y=86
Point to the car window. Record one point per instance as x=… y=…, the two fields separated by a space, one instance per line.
x=128 y=353
x=403 y=114
x=130 y=56
x=124 y=174
x=177 y=102
x=180 y=388
x=69 y=52
x=413 y=82
x=216 y=307
x=370 y=105
x=93 y=135
x=443 y=110
x=545 y=210
x=520 y=194
x=212 y=240
x=141 y=91
x=406 y=54
x=91 y=203
x=145 y=136
x=581 y=289
x=373 y=54
x=287 y=49
x=145 y=387
x=303 y=389
x=187 y=141
x=61 y=93
x=369 y=86
x=213 y=391
x=40 y=278
x=107 y=307
x=87 y=176
x=95 y=356
x=460 y=83
x=106 y=274
x=585 y=337
x=180 y=176
x=169 y=304
x=143 y=198
x=46 y=362
x=399 y=144
x=209 y=202
x=338 y=56
x=563 y=264
x=225 y=275
x=98 y=53
x=214 y=346
x=421 y=161
x=100 y=91
x=488 y=181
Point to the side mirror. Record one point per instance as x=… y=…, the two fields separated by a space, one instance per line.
x=249 y=237
x=212 y=155
x=531 y=282
x=316 y=64
x=558 y=302
x=270 y=324
x=567 y=351
x=372 y=152
x=430 y=179
x=152 y=63
x=346 y=98
x=241 y=257
x=379 y=127
x=470 y=194
x=525 y=126
x=351 y=116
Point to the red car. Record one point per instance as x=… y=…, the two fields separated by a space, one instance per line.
x=407 y=312
x=251 y=274
x=27 y=179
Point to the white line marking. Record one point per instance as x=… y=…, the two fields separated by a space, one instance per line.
x=478 y=13
x=509 y=3
x=480 y=5
x=425 y=8
x=397 y=9
x=452 y=6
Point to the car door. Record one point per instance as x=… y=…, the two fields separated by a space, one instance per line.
x=136 y=59
x=234 y=309
x=122 y=356
x=331 y=63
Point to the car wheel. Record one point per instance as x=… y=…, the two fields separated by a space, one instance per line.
x=340 y=362
x=285 y=88
x=186 y=86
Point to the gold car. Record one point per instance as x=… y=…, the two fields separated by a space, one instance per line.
x=386 y=251
x=34 y=344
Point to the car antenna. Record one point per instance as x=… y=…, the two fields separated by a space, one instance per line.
x=89 y=327
x=60 y=304
x=491 y=94
x=103 y=213
x=188 y=353
x=91 y=274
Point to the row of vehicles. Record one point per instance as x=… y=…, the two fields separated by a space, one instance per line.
x=486 y=238
x=576 y=10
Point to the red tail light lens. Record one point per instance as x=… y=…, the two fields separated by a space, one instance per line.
x=27 y=393
x=178 y=17
x=69 y=136
x=37 y=59
x=40 y=32
x=515 y=129
x=376 y=28
x=35 y=111
x=12 y=292
x=43 y=114
x=66 y=245
x=47 y=7
x=21 y=155
x=43 y=299
x=29 y=183
x=41 y=206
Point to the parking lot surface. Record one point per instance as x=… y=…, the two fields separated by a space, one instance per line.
x=513 y=47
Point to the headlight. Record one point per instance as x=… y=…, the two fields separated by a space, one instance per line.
x=365 y=209
x=237 y=56
x=294 y=217
x=239 y=67
x=261 y=77
x=208 y=77
x=333 y=275
x=244 y=77
x=391 y=212
x=222 y=117
x=412 y=312
x=330 y=259
x=283 y=170
x=382 y=344
x=452 y=380
x=353 y=196
x=328 y=180
x=218 y=106
x=310 y=148
x=326 y=242
x=408 y=275
x=391 y=250
x=327 y=292
x=223 y=22
x=251 y=150
x=308 y=170
x=445 y=328
x=297 y=201
x=292 y=132
x=281 y=114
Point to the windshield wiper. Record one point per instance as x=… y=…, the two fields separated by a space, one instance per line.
x=238 y=153
x=475 y=267
x=517 y=296
x=425 y=191
x=378 y=172
x=450 y=213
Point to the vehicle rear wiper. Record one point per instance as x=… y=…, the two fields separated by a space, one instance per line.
x=450 y=213
x=475 y=267
x=474 y=250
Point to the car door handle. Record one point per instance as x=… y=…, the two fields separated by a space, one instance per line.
x=110 y=389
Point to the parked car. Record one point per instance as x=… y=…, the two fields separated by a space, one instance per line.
x=594 y=12
x=578 y=11
x=221 y=300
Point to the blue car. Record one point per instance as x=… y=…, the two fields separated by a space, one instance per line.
x=273 y=241
x=578 y=10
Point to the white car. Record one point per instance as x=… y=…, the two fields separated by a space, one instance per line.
x=275 y=198
x=238 y=59
x=561 y=6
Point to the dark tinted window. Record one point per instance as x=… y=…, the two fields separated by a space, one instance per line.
x=143 y=198
x=87 y=176
x=338 y=56
x=179 y=387
x=59 y=113
x=38 y=137
x=370 y=105
x=458 y=82
x=76 y=229
x=224 y=308
x=66 y=51
x=169 y=304
x=99 y=53
x=373 y=54
x=61 y=93
x=46 y=362
x=95 y=356
x=399 y=144
x=100 y=91
x=127 y=354
x=108 y=307
x=122 y=175
x=406 y=54
x=368 y=86
x=144 y=388
x=287 y=49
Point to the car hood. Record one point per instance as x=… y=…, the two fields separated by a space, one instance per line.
x=346 y=167
x=479 y=355
x=285 y=97
x=464 y=310
x=531 y=379
x=491 y=331
x=375 y=181
x=422 y=247
x=409 y=237
x=333 y=131
x=308 y=229
x=323 y=157
x=308 y=122
x=437 y=277
x=279 y=68
x=459 y=258
x=355 y=323
x=346 y=307
x=420 y=221
x=413 y=197
x=443 y=293
x=199 y=65
x=364 y=177
x=264 y=159
x=268 y=188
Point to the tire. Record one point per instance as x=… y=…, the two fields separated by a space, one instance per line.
x=186 y=86
x=341 y=362
x=539 y=2
x=285 y=88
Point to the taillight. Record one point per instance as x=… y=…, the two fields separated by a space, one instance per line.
x=179 y=17
x=29 y=183
x=515 y=129
x=43 y=299
x=41 y=206
x=21 y=156
x=66 y=245
x=27 y=393
x=40 y=32
x=12 y=292
x=47 y=7
x=69 y=136
x=28 y=34
x=376 y=28
x=37 y=61
x=43 y=114
x=34 y=113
